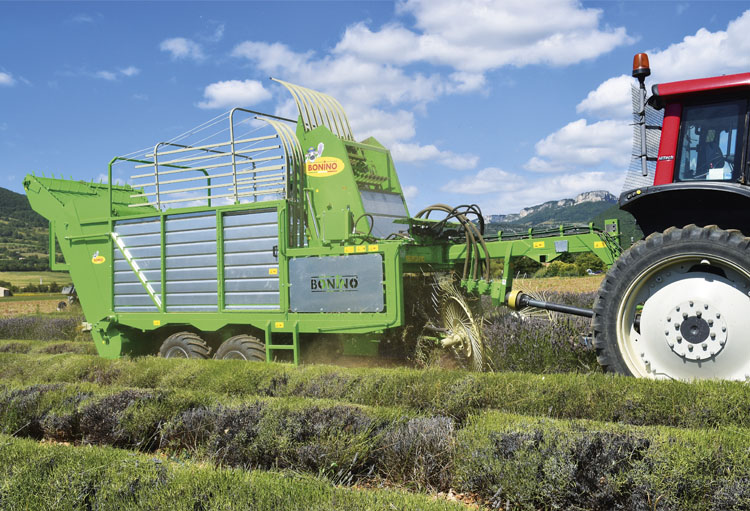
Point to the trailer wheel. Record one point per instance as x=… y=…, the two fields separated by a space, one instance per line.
x=184 y=345
x=676 y=305
x=242 y=347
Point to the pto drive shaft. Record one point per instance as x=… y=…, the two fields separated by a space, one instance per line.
x=517 y=300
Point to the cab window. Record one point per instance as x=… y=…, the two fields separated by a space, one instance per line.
x=711 y=141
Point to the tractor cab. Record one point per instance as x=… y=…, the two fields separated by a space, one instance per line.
x=700 y=172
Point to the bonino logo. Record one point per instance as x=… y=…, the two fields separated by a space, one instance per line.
x=334 y=284
x=324 y=166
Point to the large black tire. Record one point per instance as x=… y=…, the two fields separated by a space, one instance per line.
x=676 y=305
x=184 y=345
x=242 y=347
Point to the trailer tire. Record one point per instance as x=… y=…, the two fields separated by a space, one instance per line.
x=675 y=305
x=242 y=347
x=184 y=345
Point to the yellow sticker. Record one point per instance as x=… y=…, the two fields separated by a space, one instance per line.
x=157 y=322
x=599 y=244
x=324 y=166
x=278 y=324
x=273 y=271
x=415 y=259
x=348 y=250
x=538 y=244
x=97 y=259
x=372 y=248
x=361 y=249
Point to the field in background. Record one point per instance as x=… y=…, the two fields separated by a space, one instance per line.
x=24 y=278
x=586 y=284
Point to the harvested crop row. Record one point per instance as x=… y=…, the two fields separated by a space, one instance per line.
x=450 y=393
x=535 y=463
x=505 y=459
x=47 y=347
x=344 y=442
x=43 y=476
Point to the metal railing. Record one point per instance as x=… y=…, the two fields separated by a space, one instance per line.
x=241 y=169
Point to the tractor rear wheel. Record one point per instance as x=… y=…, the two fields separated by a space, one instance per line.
x=676 y=305
x=242 y=347
x=184 y=345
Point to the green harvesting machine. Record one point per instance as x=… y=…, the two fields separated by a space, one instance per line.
x=252 y=241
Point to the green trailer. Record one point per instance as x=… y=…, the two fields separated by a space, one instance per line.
x=250 y=245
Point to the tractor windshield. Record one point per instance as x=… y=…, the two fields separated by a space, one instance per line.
x=711 y=141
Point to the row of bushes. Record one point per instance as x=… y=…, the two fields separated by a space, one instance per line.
x=454 y=394
x=42 y=328
x=507 y=460
x=47 y=347
x=43 y=476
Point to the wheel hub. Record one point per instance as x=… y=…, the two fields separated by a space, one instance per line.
x=695 y=330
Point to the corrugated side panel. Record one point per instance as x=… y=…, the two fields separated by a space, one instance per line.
x=192 y=277
x=251 y=271
x=384 y=208
x=142 y=238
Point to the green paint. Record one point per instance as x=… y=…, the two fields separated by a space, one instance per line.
x=324 y=206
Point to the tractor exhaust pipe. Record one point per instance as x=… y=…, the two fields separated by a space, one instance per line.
x=517 y=300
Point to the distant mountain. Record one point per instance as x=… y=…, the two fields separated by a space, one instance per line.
x=581 y=209
x=23 y=234
x=595 y=206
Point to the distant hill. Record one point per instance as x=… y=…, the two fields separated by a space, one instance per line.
x=23 y=234
x=595 y=206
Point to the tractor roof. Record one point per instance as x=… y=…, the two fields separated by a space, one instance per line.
x=741 y=80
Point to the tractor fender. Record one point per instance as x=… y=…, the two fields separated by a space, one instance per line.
x=657 y=208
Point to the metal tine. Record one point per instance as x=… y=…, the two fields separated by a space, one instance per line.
x=339 y=111
x=215 y=166
x=200 y=167
x=215 y=176
x=214 y=157
x=210 y=156
x=210 y=146
x=206 y=197
x=309 y=97
x=319 y=99
x=166 y=192
x=292 y=90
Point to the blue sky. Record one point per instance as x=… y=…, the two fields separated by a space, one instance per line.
x=502 y=103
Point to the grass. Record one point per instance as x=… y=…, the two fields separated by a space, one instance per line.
x=24 y=278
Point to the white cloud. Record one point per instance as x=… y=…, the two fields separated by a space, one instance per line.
x=82 y=18
x=233 y=93
x=111 y=76
x=610 y=100
x=487 y=180
x=582 y=144
x=417 y=153
x=409 y=191
x=705 y=53
x=130 y=71
x=511 y=192
x=182 y=48
x=6 y=79
x=480 y=35
x=106 y=75
x=369 y=70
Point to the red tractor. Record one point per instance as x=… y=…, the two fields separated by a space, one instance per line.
x=677 y=304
